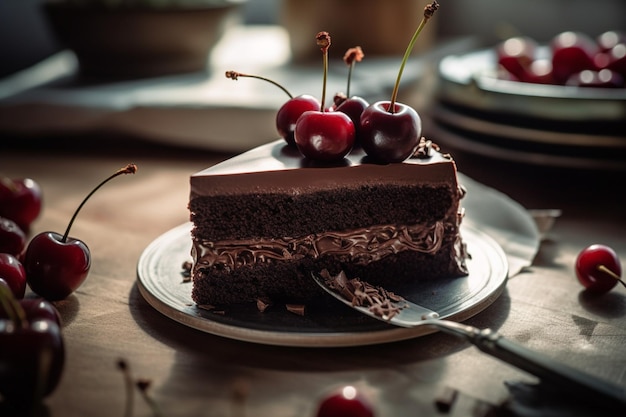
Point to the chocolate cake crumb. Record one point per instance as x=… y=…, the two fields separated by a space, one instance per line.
x=298 y=309
x=445 y=399
x=263 y=304
x=211 y=308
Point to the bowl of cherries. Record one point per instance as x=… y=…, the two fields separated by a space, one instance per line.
x=571 y=77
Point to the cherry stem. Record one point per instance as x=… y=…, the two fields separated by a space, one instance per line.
x=128 y=169
x=234 y=75
x=128 y=382
x=142 y=386
x=323 y=41
x=429 y=10
x=13 y=308
x=352 y=56
x=610 y=273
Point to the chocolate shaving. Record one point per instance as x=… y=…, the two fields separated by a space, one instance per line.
x=379 y=301
x=186 y=272
x=298 y=309
x=263 y=304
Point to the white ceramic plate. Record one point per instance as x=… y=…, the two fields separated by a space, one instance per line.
x=160 y=281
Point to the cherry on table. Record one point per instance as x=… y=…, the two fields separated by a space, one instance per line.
x=32 y=352
x=13 y=273
x=56 y=265
x=20 y=200
x=598 y=268
x=346 y=402
x=12 y=238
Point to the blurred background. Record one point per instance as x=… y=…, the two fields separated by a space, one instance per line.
x=25 y=37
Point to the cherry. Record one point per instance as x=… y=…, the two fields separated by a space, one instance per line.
x=35 y=308
x=32 y=352
x=617 y=59
x=605 y=78
x=607 y=40
x=540 y=72
x=289 y=112
x=12 y=237
x=321 y=135
x=516 y=55
x=598 y=268
x=20 y=201
x=347 y=402
x=572 y=52
x=353 y=106
x=391 y=131
x=13 y=273
x=56 y=265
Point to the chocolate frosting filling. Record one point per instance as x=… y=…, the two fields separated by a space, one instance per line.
x=360 y=246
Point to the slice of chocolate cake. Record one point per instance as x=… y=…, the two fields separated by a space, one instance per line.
x=264 y=220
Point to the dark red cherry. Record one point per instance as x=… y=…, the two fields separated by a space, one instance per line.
x=390 y=136
x=12 y=238
x=598 y=268
x=604 y=78
x=617 y=59
x=13 y=273
x=290 y=112
x=607 y=40
x=56 y=265
x=540 y=72
x=324 y=136
x=354 y=107
x=346 y=402
x=20 y=201
x=516 y=55
x=572 y=52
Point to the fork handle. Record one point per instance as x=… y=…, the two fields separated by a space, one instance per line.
x=547 y=369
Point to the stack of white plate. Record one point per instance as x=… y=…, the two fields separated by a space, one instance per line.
x=553 y=125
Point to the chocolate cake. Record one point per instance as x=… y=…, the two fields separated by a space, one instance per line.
x=265 y=219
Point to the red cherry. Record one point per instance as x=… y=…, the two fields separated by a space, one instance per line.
x=20 y=201
x=56 y=265
x=12 y=237
x=391 y=131
x=324 y=136
x=598 y=268
x=354 y=107
x=390 y=136
x=13 y=273
x=32 y=354
x=540 y=72
x=516 y=55
x=347 y=402
x=36 y=308
x=604 y=78
x=572 y=52
x=617 y=59
x=607 y=40
x=290 y=112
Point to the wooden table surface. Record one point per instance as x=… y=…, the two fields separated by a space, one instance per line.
x=199 y=374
